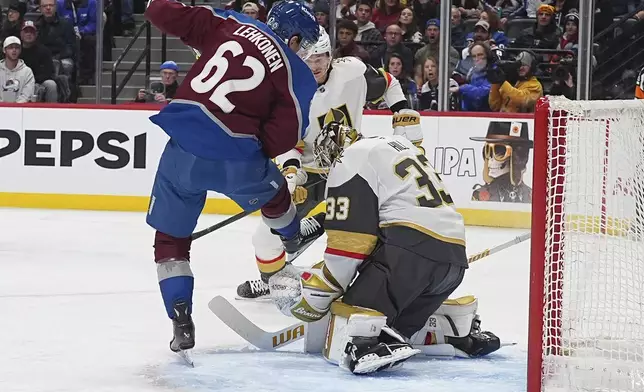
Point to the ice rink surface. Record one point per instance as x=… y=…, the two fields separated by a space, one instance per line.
x=81 y=312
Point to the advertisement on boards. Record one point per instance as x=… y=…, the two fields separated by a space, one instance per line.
x=82 y=156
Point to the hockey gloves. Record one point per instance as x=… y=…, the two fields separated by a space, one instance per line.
x=295 y=179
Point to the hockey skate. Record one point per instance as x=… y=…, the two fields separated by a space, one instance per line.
x=183 y=339
x=310 y=230
x=371 y=356
x=253 y=290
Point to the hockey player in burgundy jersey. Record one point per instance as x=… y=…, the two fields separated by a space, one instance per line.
x=244 y=101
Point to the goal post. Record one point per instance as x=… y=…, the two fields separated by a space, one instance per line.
x=586 y=317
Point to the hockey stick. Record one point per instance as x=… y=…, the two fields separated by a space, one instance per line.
x=251 y=332
x=498 y=248
x=264 y=340
x=198 y=234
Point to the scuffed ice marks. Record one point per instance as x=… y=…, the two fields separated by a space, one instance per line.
x=246 y=369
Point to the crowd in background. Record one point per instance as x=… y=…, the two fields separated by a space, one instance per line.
x=504 y=54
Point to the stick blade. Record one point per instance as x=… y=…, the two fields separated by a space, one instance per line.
x=236 y=321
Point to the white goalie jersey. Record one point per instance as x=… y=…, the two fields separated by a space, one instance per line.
x=379 y=187
x=341 y=99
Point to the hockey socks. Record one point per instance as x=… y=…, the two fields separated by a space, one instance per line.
x=176 y=283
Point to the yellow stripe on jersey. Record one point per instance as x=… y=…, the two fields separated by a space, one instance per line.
x=424 y=230
x=349 y=243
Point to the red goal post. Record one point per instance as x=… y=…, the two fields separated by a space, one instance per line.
x=586 y=317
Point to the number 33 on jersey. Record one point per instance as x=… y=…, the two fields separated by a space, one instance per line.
x=247 y=91
x=379 y=184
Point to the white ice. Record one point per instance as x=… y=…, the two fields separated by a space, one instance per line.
x=80 y=311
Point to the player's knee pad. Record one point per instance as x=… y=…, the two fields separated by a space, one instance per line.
x=348 y=323
x=269 y=251
x=454 y=318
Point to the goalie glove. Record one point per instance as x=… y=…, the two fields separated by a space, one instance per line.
x=305 y=295
x=406 y=122
x=295 y=179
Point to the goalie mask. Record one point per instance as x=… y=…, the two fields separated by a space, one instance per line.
x=331 y=142
x=506 y=151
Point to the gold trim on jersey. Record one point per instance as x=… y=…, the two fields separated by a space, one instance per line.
x=346 y=241
x=424 y=230
x=300 y=144
x=339 y=114
x=341 y=309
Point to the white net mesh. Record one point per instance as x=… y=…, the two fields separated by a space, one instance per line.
x=593 y=338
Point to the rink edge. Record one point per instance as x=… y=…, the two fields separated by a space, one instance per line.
x=472 y=217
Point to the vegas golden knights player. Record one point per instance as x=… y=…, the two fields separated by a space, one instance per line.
x=344 y=86
x=391 y=220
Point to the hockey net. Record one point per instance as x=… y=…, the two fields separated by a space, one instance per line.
x=586 y=328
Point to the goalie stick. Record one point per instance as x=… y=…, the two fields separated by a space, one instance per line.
x=264 y=340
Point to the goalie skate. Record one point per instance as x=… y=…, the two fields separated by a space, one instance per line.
x=366 y=358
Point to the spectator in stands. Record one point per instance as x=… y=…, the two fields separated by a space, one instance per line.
x=496 y=34
x=169 y=74
x=368 y=35
x=476 y=90
x=251 y=10
x=16 y=78
x=82 y=15
x=409 y=87
x=321 y=11
x=507 y=7
x=569 y=38
x=562 y=9
x=346 y=10
x=458 y=29
x=432 y=33
x=429 y=91
x=545 y=33
x=347 y=31
x=470 y=9
x=37 y=57
x=481 y=35
x=15 y=15
x=386 y=13
x=407 y=23
x=58 y=36
x=521 y=97
x=393 y=44
x=425 y=10
x=528 y=9
x=264 y=6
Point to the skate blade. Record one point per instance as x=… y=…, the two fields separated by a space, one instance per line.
x=264 y=298
x=394 y=361
x=186 y=355
x=290 y=257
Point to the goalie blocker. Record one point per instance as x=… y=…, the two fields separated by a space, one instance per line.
x=406 y=241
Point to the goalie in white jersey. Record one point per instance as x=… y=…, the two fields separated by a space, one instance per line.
x=344 y=86
x=390 y=218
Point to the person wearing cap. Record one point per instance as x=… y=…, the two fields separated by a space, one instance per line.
x=38 y=58
x=321 y=9
x=367 y=31
x=15 y=15
x=16 y=79
x=544 y=34
x=432 y=33
x=523 y=95
x=169 y=72
x=251 y=10
x=505 y=157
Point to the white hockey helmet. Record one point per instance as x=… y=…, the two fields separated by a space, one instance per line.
x=323 y=45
